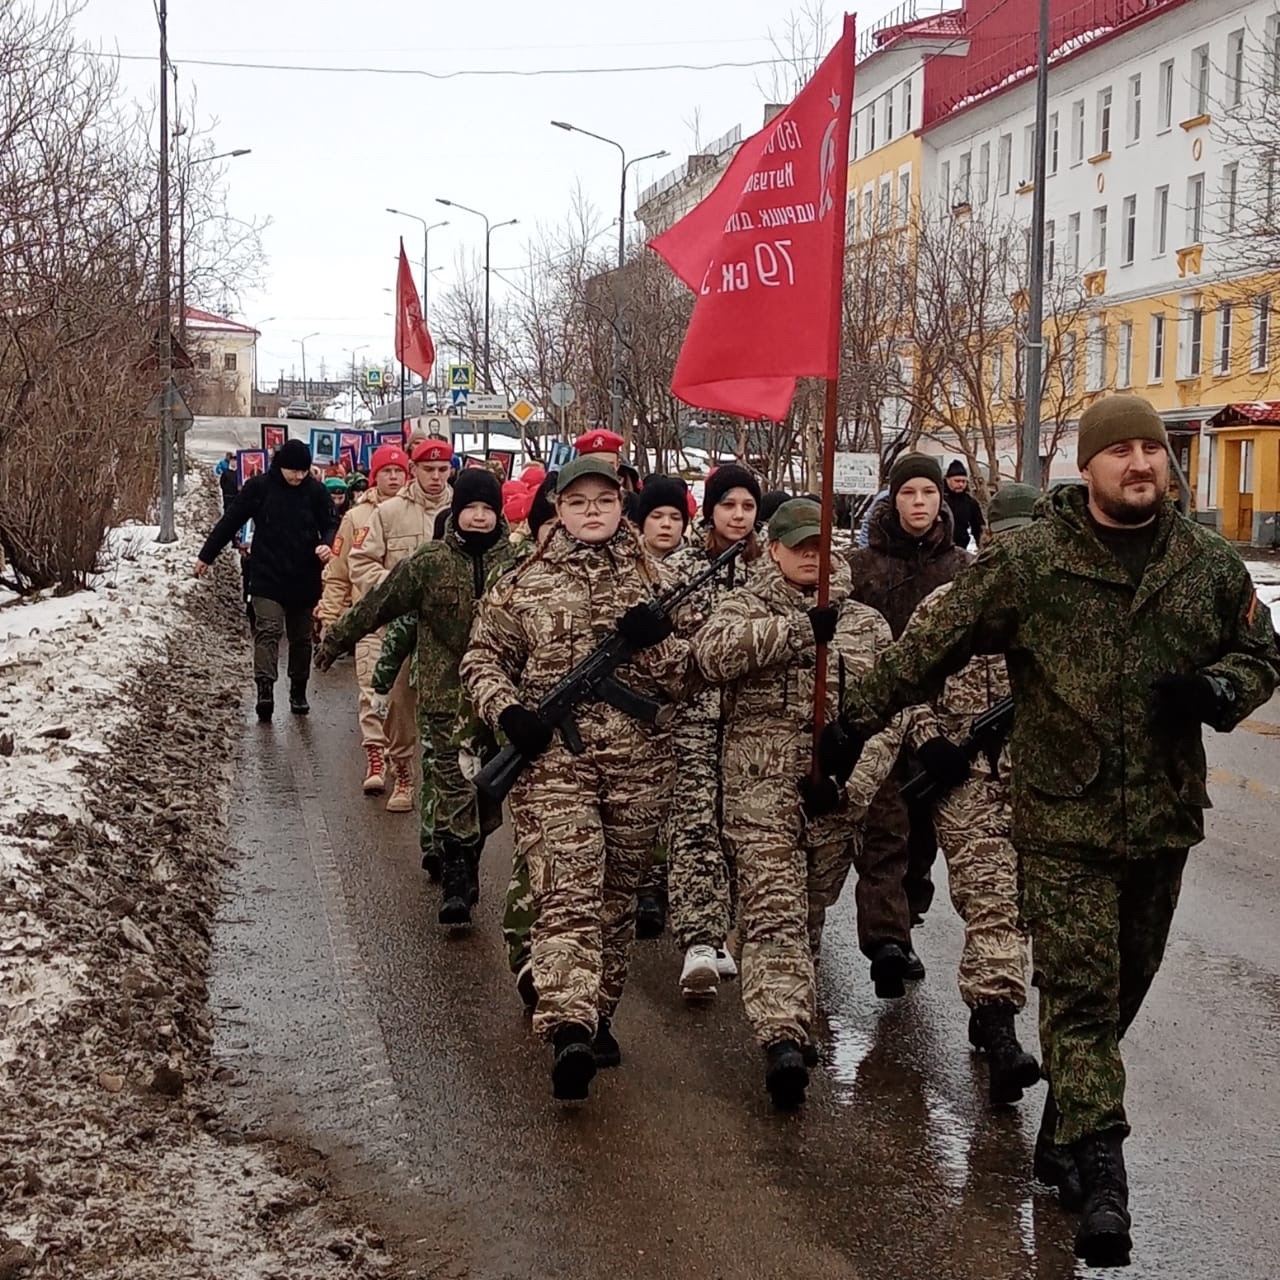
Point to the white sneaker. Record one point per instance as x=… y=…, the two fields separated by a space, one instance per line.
x=700 y=973
x=725 y=965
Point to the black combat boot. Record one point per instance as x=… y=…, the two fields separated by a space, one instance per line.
x=432 y=865
x=605 y=1046
x=914 y=971
x=298 y=703
x=785 y=1075
x=1011 y=1068
x=1103 y=1238
x=455 y=883
x=266 y=703
x=1053 y=1165
x=651 y=916
x=888 y=969
x=574 y=1064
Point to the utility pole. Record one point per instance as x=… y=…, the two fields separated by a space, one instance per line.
x=168 y=532
x=1035 y=305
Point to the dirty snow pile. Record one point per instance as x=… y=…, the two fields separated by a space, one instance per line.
x=120 y=707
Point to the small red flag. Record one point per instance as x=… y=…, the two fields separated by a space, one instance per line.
x=414 y=348
x=764 y=252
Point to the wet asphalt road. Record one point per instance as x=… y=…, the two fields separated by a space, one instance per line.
x=357 y=1024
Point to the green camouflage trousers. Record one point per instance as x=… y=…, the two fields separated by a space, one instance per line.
x=448 y=802
x=982 y=869
x=1098 y=933
x=518 y=911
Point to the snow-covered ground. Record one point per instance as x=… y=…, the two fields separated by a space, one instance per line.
x=1266 y=577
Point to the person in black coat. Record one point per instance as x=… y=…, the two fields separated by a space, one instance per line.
x=227 y=481
x=966 y=510
x=294 y=524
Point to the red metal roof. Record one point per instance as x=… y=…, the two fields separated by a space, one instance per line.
x=207 y=320
x=1260 y=412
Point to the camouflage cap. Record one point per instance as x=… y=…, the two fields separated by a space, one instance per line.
x=590 y=464
x=795 y=521
x=1012 y=506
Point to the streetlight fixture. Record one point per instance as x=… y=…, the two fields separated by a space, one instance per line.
x=182 y=232
x=302 y=342
x=427 y=229
x=489 y=229
x=615 y=390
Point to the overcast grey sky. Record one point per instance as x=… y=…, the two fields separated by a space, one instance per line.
x=331 y=151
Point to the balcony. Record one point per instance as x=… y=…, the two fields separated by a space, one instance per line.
x=1190 y=259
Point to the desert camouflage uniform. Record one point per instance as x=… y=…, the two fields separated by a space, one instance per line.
x=1104 y=810
x=758 y=643
x=438 y=587
x=699 y=864
x=585 y=823
x=972 y=822
x=393 y=735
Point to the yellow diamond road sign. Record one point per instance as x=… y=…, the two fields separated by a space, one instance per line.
x=522 y=411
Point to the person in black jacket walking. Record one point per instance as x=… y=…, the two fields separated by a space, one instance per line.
x=294 y=523
x=966 y=510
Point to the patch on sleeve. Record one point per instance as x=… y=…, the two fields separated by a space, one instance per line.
x=337 y=545
x=1251 y=612
x=360 y=536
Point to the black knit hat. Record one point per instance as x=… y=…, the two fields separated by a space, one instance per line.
x=543 y=509
x=914 y=466
x=770 y=503
x=475 y=484
x=663 y=491
x=957 y=469
x=731 y=475
x=293 y=455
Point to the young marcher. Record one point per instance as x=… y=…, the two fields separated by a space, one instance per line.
x=792 y=841
x=1127 y=627
x=585 y=822
x=294 y=523
x=440 y=586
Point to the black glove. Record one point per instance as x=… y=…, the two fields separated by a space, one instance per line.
x=818 y=797
x=1184 y=700
x=822 y=618
x=642 y=626
x=526 y=730
x=944 y=762
x=839 y=747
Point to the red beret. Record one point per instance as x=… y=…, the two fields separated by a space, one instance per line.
x=692 y=503
x=533 y=476
x=599 y=441
x=433 y=450
x=517 y=504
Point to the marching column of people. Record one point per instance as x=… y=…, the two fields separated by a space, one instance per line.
x=1036 y=713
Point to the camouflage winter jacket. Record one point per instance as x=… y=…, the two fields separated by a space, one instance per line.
x=543 y=619
x=758 y=644
x=1083 y=646
x=399 y=645
x=440 y=585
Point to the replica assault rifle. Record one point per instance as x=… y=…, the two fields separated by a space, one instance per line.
x=987 y=736
x=593 y=680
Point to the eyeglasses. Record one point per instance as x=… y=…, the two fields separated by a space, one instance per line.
x=580 y=506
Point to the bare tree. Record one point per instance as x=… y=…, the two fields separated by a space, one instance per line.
x=798 y=46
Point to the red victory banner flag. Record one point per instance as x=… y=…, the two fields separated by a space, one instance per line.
x=414 y=348
x=764 y=252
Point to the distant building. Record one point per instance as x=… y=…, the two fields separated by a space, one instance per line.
x=224 y=356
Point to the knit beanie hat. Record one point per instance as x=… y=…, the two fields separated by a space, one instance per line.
x=1114 y=419
x=914 y=466
x=336 y=484
x=957 y=469
x=388 y=455
x=731 y=475
x=475 y=484
x=662 y=491
x=293 y=455
x=770 y=503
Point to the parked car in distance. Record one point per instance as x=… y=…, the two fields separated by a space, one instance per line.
x=299 y=409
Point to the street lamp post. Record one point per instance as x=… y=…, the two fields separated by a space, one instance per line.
x=168 y=531
x=351 y=351
x=302 y=342
x=615 y=389
x=489 y=229
x=182 y=231
x=427 y=229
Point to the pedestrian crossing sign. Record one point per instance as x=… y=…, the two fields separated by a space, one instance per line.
x=462 y=377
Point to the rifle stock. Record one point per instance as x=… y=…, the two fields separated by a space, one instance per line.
x=987 y=736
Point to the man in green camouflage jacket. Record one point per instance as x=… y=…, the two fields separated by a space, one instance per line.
x=440 y=585
x=1126 y=627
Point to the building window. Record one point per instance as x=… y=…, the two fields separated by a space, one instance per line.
x=855 y=135
x=1235 y=68
x=1269 y=187
x=1164 y=104
x=904 y=194
x=871 y=127
x=962 y=179
x=1104 y=121
x=984 y=171
x=1156 y=371
x=868 y=212
x=1230 y=195
x=1160 y=225
x=1223 y=363
x=1128 y=230
x=204 y=360
x=229 y=362
x=997 y=374
x=1262 y=332
x=1049 y=248
x=1273 y=51
x=1068 y=358
x=1077 y=131
x=1004 y=162
x=886 y=202
x=944 y=182
x=1028 y=154
x=1133 y=118
x=1051 y=149
x=1195 y=209
x=1099 y=258
x=1124 y=354
x=1190 y=334
x=888 y=116
x=906 y=105
x=1095 y=355
x=1071 y=255
x=1200 y=81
